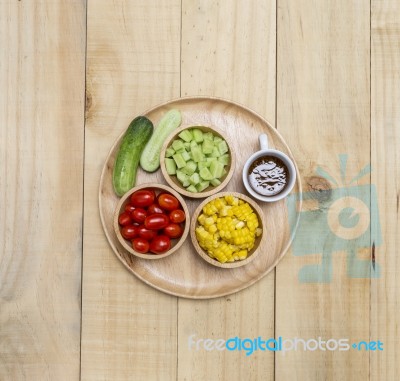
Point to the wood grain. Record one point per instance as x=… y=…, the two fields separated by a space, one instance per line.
x=385 y=143
x=128 y=329
x=228 y=50
x=140 y=54
x=42 y=69
x=323 y=104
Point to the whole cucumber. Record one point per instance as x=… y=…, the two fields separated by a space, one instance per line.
x=150 y=160
x=127 y=161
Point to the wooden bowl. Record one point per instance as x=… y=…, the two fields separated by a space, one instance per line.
x=175 y=243
x=254 y=252
x=173 y=181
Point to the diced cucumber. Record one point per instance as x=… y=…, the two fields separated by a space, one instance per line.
x=197 y=159
x=197 y=154
x=208 y=136
x=209 y=160
x=215 y=152
x=216 y=169
x=169 y=152
x=207 y=146
x=202 y=185
x=194 y=179
x=185 y=155
x=186 y=135
x=205 y=174
x=189 y=168
x=202 y=164
x=223 y=147
x=182 y=178
x=192 y=188
x=178 y=144
x=224 y=159
x=179 y=160
x=215 y=182
x=197 y=135
x=170 y=165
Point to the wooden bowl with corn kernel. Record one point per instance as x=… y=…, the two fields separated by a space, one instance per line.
x=226 y=230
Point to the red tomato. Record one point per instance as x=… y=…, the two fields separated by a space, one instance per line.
x=129 y=231
x=160 y=244
x=140 y=245
x=154 y=208
x=177 y=216
x=146 y=234
x=129 y=208
x=168 y=202
x=139 y=215
x=156 y=221
x=142 y=198
x=173 y=231
x=124 y=219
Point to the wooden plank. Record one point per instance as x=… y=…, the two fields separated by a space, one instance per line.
x=323 y=108
x=228 y=50
x=385 y=148
x=42 y=76
x=128 y=328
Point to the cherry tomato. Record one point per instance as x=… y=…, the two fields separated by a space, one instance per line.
x=160 y=244
x=129 y=231
x=154 y=208
x=173 y=231
x=140 y=245
x=168 y=202
x=177 y=216
x=146 y=234
x=142 y=198
x=156 y=221
x=124 y=219
x=129 y=208
x=139 y=215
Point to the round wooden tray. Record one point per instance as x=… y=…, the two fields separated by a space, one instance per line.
x=185 y=273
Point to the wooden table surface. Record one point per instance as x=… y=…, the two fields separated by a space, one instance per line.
x=74 y=73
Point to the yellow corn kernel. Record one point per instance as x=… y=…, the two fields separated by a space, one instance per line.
x=201 y=219
x=212 y=228
x=208 y=221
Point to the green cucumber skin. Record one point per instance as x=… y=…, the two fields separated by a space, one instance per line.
x=150 y=160
x=126 y=164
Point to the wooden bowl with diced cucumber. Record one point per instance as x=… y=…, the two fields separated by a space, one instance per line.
x=197 y=161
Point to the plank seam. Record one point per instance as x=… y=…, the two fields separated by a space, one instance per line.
x=372 y=244
x=180 y=95
x=276 y=126
x=83 y=184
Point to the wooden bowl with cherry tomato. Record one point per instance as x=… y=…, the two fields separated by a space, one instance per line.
x=151 y=221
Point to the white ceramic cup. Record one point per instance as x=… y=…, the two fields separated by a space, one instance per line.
x=265 y=151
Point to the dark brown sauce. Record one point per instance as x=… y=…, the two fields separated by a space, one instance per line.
x=268 y=175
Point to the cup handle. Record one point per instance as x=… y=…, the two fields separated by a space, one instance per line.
x=263 y=139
